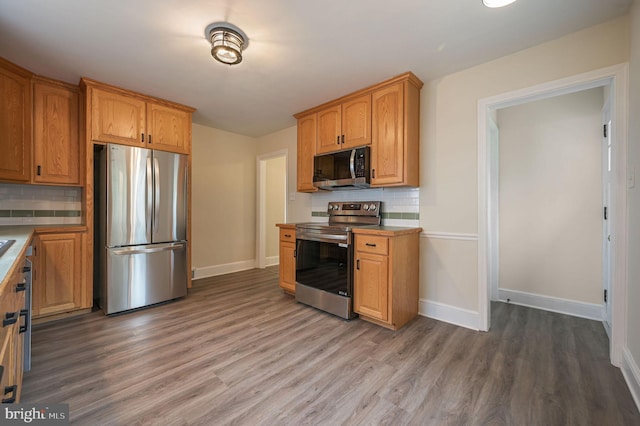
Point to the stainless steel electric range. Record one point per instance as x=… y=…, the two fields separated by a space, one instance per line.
x=324 y=256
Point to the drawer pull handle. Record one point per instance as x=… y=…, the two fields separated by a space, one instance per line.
x=358 y=264
x=338 y=139
x=10 y=318
x=12 y=390
x=287 y=235
x=23 y=328
x=21 y=287
x=370 y=245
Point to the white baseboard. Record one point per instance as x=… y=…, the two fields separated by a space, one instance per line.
x=451 y=314
x=272 y=261
x=631 y=374
x=227 y=268
x=554 y=304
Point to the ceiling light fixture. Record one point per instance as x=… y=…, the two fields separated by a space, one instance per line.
x=497 y=3
x=227 y=42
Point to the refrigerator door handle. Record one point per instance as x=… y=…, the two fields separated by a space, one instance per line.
x=156 y=196
x=149 y=195
x=137 y=250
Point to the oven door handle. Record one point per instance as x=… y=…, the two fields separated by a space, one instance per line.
x=324 y=238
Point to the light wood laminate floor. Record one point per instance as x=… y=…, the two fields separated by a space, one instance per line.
x=237 y=350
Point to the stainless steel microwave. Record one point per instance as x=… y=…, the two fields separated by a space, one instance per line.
x=342 y=170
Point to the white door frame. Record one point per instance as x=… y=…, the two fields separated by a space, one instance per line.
x=261 y=201
x=617 y=77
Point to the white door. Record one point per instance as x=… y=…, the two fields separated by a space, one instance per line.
x=607 y=216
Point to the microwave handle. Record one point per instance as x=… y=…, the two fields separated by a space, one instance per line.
x=352 y=164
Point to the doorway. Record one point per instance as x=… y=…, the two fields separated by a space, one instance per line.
x=272 y=205
x=550 y=184
x=615 y=79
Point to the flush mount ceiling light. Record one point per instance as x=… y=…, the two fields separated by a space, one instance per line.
x=497 y=3
x=227 y=42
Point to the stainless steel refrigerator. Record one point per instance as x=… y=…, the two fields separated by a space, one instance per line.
x=141 y=211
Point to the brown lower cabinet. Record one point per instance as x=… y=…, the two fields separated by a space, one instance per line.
x=12 y=301
x=386 y=277
x=288 y=259
x=59 y=271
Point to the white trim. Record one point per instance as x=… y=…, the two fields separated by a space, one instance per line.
x=449 y=236
x=447 y=313
x=554 y=304
x=272 y=261
x=227 y=268
x=617 y=77
x=261 y=171
x=631 y=374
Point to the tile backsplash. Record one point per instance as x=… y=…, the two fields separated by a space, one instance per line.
x=40 y=205
x=400 y=206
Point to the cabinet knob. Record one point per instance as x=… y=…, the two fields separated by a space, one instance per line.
x=10 y=318
x=13 y=390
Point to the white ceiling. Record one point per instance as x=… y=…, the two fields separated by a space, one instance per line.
x=301 y=52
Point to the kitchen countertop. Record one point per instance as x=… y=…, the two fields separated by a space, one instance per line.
x=388 y=231
x=23 y=235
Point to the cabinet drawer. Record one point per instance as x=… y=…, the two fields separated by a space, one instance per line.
x=288 y=235
x=372 y=244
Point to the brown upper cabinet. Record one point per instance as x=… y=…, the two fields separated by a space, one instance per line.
x=306 y=150
x=395 y=146
x=15 y=123
x=345 y=125
x=127 y=118
x=385 y=116
x=56 y=148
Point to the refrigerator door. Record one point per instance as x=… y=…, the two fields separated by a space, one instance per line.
x=129 y=196
x=170 y=197
x=143 y=275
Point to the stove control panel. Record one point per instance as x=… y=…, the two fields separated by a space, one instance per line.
x=362 y=208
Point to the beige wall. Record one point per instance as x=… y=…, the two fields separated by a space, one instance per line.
x=224 y=199
x=275 y=187
x=298 y=209
x=633 y=297
x=550 y=183
x=449 y=187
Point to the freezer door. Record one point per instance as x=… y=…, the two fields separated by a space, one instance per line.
x=129 y=196
x=170 y=197
x=143 y=275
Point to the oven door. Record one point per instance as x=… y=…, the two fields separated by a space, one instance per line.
x=325 y=265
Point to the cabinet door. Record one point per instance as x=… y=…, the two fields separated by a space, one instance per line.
x=288 y=267
x=15 y=126
x=306 y=150
x=118 y=118
x=169 y=129
x=329 y=130
x=56 y=147
x=58 y=284
x=387 y=145
x=371 y=286
x=356 y=122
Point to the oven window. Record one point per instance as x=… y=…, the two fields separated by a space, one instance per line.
x=324 y=266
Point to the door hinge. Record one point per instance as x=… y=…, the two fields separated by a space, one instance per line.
x=605 y=212
x=605 y=295
x=605 y=130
